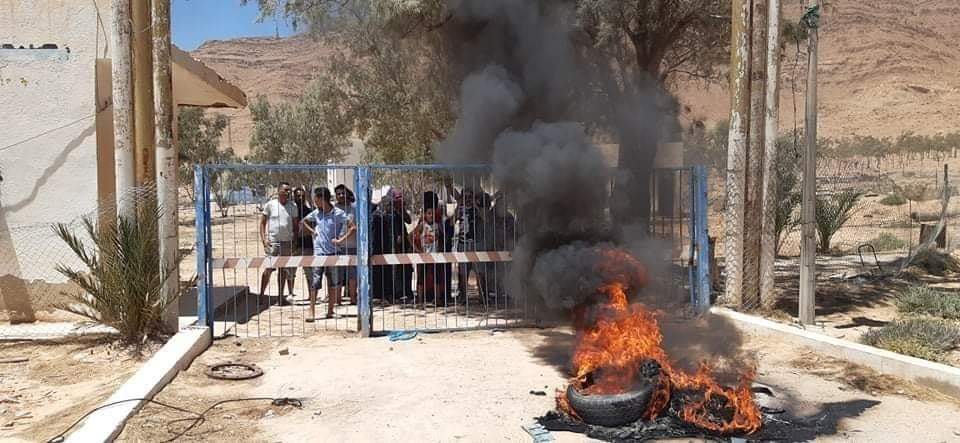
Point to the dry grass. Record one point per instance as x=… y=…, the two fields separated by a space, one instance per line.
x=865 y=379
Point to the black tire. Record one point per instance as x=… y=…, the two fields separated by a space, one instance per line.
x=610 y=410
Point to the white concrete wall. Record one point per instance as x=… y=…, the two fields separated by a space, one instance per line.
x=52 y=177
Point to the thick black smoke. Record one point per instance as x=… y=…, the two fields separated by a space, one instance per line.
x=518 y=108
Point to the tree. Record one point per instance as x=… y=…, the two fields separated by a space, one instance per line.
x=309 y=130
x=122 y=278
x=403 y=64
x=390 y=80
x=199 y=140
x=832 y=212
x=634 y=49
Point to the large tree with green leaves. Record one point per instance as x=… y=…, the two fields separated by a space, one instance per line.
x=396 y=77
x=199 y=137
x=388 y=81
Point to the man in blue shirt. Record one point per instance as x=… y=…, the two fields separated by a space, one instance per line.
x=329 y=227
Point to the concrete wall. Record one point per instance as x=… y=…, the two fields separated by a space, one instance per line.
x=51 y=178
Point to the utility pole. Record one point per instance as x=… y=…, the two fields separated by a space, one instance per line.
x=737 y=150
x=753 y=210
x=122 y=73
x=768 y=235
x=808 y=247
x=166 y=156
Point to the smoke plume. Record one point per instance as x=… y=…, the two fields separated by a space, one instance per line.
x=519 y=108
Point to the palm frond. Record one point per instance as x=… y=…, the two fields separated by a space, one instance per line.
x=123 y=281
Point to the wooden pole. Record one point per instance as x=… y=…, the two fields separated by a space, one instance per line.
x=143 y=152
x=166 y=155
x=736 y=151
x=768 y=235
x=123 y=108
x=753 y=205
x=808 y=247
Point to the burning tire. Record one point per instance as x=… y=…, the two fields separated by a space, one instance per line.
x=610 y=410
x=614 y=410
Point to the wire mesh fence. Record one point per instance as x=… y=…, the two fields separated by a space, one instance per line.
x=432 y=243
x=867 y=222
x=439 y=250
x=30 y=254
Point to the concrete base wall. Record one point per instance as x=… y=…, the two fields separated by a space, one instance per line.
x=943 y=378
x=176 y=355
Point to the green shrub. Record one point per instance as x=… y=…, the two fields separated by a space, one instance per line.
x=928 y=301
x=887 y=242
x=893 y=200
x=122 y=282
x=924 y=338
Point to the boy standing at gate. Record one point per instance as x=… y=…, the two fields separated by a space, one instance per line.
x=329 y=227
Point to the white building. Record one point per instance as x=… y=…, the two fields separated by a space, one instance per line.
x=56 y=142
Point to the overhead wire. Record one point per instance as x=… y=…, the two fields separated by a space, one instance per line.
x=47 y=132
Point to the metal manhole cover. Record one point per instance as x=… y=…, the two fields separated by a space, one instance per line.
x=234 y=371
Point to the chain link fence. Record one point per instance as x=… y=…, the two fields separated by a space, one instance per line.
x=868 y=221
x=30 y=285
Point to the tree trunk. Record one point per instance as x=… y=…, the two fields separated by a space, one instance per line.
x=166 y=155
x=736 y=151
x=769 y=241
x=753 y=205
x=143 y=150
x=123 y=108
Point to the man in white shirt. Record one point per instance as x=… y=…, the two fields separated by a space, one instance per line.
x=278 y=225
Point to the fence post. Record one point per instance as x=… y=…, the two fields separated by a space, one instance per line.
x=201 y=192
x=701 y=234
x=691 y=224
x=362 y=185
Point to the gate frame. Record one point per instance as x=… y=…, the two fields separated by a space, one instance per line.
x=699 y=265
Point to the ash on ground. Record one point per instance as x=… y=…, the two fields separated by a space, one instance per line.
x=775 y=428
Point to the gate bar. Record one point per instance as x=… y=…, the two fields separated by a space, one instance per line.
x=365 y=306
x=201 y=192
x=702 y=281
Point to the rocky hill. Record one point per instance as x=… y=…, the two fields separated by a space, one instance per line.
x=887 y=66
x=276 y=69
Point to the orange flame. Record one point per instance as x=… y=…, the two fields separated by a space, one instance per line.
x=624 y=335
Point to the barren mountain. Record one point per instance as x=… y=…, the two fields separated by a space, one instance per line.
x=886 y=66
x=276 y=69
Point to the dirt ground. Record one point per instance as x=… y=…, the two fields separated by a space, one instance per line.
x=482 y=386
x=61 y=381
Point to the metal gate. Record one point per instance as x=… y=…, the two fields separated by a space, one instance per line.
x=419 y=247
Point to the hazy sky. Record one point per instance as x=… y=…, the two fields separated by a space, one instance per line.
x=196 y=21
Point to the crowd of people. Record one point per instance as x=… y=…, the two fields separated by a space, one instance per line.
x=291 y=224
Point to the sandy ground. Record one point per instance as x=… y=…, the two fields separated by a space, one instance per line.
x=476 y=386
x=850 y=302
x=61 y=381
